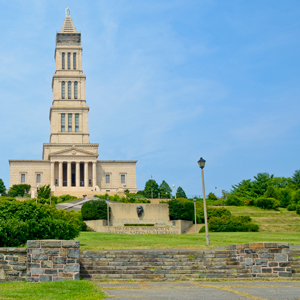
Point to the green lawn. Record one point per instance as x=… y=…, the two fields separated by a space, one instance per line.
x=82 y=289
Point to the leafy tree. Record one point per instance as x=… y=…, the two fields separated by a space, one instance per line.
x=296 y=197
x=151 y=189
x=19 y=190
x=285 y=197
x=180 y=193
x=165 y=190
x=2 y=187
x=212 y=196
x=224 y=194
x=44 y=192
x=181 y=209
x=260 y=184
x=243 y=189
x=94 y=210
x=296 y=179
x=271 y=193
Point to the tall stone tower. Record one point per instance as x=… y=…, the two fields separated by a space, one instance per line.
x=70 y=162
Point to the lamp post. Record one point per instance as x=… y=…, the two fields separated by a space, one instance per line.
x=37 y=188
x=174 y=190
x=201 y=163
x=107 y=198
x=195 y=199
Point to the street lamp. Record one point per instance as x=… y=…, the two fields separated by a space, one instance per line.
x=37 y=188
x=107 y=198
x=201 y=163
x=174 y=190
x=195 y=199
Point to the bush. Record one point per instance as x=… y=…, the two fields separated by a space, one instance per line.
x=212 y=196
x=19 y=190
x=22 y=221
x=44 y=191
x=267 y=203
x=296 y=197
x=94 y=210
x=181 y=209
x=285 y=198
x=66 y=198
x=234 y=201
x=298 y=209
x=291 y=207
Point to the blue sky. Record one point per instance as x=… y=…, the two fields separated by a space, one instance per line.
x=167 y=82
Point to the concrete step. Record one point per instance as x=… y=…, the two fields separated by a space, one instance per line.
x=191 y=230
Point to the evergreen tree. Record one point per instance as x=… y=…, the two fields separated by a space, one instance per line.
x=151 y=189
x=271 y=193
x=180 y=193
x=165 y=190
x=285 y=197
x=212 y=196
x=296 y=179
x=261 y=183
x=2 y=187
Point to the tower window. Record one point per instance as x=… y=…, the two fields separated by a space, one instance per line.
x=69 y=61
x=70 y=122
x=23 y=178
x=62 y=122
x=63 y=90
x=69 y=89
x=74 y=61
x=122 y=178
x=107 y=178
x=76 y=122
x=75 y=89
x=63 y=61
x=38 y=178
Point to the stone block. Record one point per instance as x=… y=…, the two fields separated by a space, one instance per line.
x=256 y=269
x=284 y=264
x=47 y=264
x=285 y=274
x=263 y=262
x=270 y=245
x=20 y=268
x=281 y=257
x=63 y=252
x=52 y=251
x=256 y=245
x=249 y=261
x=57 y=266
x=278 y=269
x=269 y=256
x=70 y=244
x=72 y=268
x=36 y=251
x=273 y=264
x=71 y=261
x=77 y=276
x=32 y=279
x=59 y=260
x=51 y=271
x=37 y=271
x=39 y=257
x=283 y=245
x=74 y=253
x=14 y=258
x=45 y=278
x=33 y=244
x=12 y=273
x=266 y=270
x=33 y=266
x=51 y=244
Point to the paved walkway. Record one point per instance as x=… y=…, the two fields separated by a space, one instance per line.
x=259 y=290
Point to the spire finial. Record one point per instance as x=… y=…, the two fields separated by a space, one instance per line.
x=68 y=12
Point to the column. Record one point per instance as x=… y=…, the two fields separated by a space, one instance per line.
x=52 y=182
x=94 y=174
x=86 y=174
x=69 y=180
x=60 y=174
x=77 y=174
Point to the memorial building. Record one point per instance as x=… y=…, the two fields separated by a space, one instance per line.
x=69 y=161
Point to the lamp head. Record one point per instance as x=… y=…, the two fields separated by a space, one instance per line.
x=201 y=162
x=195 y=199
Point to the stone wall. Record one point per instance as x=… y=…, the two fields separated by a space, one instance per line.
x=264 y=259
x=52 y=260
x=13 y=264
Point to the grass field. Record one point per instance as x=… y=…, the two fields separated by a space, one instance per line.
x=275 y=226
x=82 y=289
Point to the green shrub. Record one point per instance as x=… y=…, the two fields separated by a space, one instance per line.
x=267 y=203
x=234 y=201
x=271 y=193
x=181 y=209
x=21 y=221
x=94 y=210
x=285 y=197
x=212 y=196
x=66 y=198
x=291 y=207
x=296 y=197
x=19 y=190
x=7 y=198
x=44 y=191
x=298 y=209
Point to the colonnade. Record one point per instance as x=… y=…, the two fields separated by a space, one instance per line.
x=73 y=174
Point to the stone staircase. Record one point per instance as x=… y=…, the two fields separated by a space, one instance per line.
x=295 y=261
x=166 y=264
x=191 y=230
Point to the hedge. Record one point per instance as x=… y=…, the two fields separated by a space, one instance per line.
x=94 y=210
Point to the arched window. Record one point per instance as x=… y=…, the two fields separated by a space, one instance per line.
x=74 y=61
x=63 y=90
x=75 y=89
x=63 y=61
x=69 y=89
x=69 y=61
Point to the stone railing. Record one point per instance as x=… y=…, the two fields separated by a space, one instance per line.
x=13 y=264
x=52 y=260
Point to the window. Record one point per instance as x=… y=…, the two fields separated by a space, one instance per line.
x=74 y=61
x=62 y=122
x=75 y=89
x=70 y=122
x=69 y=61
x=76 y=122
x=63 y=90
x=38 y=178
x=63 y=61
x=122 y=178
x=23 y=178
x=107 y=178
x=69 y=89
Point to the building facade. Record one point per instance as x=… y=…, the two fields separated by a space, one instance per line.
x=70 y=162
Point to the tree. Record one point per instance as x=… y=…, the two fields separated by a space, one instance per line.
x=19 y=190
x=2 y=187
x=271 y=193
x=243 y=189
x=212 y=196
x=151 y=189
x=285 y=197
x=44 y=192
x=260 y=184
x=180 y=193
x=296 y=179
x=165 y=190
